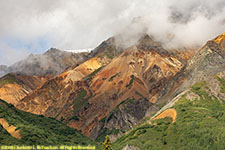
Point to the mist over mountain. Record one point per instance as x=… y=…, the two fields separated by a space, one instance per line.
x=51 y=63
x=82 y=24
x=3 y=70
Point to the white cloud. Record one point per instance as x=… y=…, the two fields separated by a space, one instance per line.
x=78 y=24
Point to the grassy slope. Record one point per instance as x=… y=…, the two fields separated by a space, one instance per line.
x=38 y=130
x=7 y=80
x=200 y=125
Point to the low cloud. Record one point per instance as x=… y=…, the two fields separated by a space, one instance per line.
x=82 y=24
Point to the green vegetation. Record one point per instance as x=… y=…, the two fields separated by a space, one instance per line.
x=222 y=84
x=103 y=120
x=139 y=94
x=105 y=133
x=199 y=126
x=144 y=136
x=152 y=80
x=198 y=86
x=112 y=77
x=62 y=119
x=107 y=144
x=8 y=79
x=74 y=118
x=131 y=81
x=37 y=129
x=88 y=77
x=161 y=105
x=80 y=100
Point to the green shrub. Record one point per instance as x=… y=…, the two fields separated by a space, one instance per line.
x=112 y=77
x=139 y=94
x=88 y=77
x=106 y=132
x=8 y=79
x=131 y=81
x=152 y=80
x=80 y=100
x=37 y=129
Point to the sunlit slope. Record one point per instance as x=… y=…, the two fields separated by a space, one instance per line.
x=14 y=87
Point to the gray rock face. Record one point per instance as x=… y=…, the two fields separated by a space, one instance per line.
x=129 y=147
x=192 y=96
x=208 y=61
x=107 y=47
x=128 y=114
x=124 y=117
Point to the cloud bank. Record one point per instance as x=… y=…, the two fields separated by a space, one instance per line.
x=78 y=24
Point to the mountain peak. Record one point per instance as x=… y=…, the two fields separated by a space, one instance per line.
x=52 y=50
x=107 y=48
x=147 y=42
x=145 y=37
x=219 y=39
x=217 y=45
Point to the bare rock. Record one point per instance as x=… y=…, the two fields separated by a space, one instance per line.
x=192 y=96
x=130 y=147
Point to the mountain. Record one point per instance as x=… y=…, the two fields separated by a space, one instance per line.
x=51 y=63
x=143 y=96
x=208 y=61
x=108 y=48
x=22 y=128
x=15 y=86
x=110 y=92
x=195 y=120
x=197 y=105
x=220 y=40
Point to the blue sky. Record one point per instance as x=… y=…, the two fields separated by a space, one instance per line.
x=15 y=49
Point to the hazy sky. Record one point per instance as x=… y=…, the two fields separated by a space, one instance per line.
x=33 y=26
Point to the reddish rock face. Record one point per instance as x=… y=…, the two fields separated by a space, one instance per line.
x=94 y=90
x=220 y=40
x=14 y=87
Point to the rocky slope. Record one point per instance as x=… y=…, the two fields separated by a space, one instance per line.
x=14 y=87
x=51 y=63
x=209 y=60
x=199 y=122
x=96 y=97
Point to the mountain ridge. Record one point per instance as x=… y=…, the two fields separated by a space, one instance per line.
x=50 y=63
x=139 y=73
